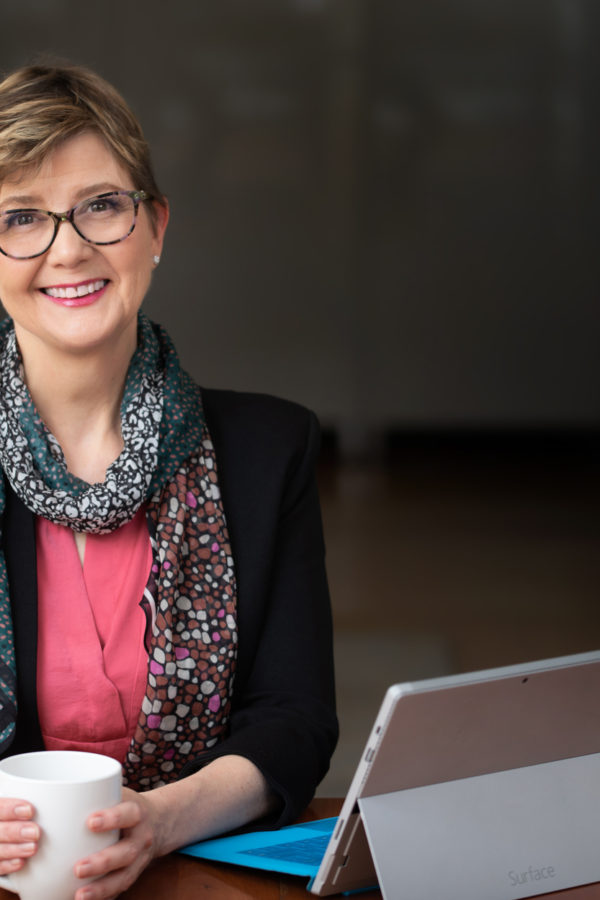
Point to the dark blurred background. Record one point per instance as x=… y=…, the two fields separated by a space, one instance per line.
x=388 y=211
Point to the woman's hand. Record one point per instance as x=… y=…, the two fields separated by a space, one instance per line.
x=19 y=835
x=118 y=866
x=228 y=792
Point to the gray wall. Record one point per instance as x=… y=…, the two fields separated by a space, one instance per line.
x=387 y=210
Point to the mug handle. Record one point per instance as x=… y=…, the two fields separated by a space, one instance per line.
x=6 y=883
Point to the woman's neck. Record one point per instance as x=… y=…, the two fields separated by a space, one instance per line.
x=78 y=396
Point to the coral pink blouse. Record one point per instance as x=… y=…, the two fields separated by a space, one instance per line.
x=91 y=661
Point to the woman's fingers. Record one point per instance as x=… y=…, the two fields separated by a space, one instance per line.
x=19 y=835
x=17 y=832
x=118 y=856
x=124 y=815
x=116 y=867
x=10 y=808
x=109 y=887
x=11 y=865
x=16 y=851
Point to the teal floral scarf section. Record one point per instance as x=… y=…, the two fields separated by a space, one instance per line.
x=160 y=423
x=168 y=463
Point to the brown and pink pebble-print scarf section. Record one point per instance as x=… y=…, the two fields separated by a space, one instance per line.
x=190 y=607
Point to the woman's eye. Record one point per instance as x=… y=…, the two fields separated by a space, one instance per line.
x=20 y=219
x=99 y=205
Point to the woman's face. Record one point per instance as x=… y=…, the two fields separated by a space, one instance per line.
x=118 y=274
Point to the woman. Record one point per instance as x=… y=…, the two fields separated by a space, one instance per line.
x=162 y=590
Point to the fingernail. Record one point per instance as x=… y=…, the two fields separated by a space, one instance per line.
x=27 y=849
x=23 y=812
x=83 y=870
x=30 y=832
x=96 y=822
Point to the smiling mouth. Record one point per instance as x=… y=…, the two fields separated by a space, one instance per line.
x=71 y=292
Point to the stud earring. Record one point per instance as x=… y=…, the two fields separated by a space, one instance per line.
x=156 y=260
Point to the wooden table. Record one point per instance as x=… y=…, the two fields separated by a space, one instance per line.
x=178 y=877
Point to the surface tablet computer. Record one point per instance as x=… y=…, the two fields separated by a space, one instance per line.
x=437 y=741
x=485 y=784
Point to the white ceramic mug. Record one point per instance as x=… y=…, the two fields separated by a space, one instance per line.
x=64 y=787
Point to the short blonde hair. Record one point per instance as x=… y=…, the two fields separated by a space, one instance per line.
x=43 y=105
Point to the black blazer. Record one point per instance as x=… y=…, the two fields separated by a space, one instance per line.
x=283 y=708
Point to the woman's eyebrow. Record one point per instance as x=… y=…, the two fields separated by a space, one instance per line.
x=18 y=200
x=93 y=189
x=29 y=200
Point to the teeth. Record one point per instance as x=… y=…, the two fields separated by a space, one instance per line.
x=80 y=291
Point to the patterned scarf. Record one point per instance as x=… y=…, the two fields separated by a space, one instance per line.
x=168 y=462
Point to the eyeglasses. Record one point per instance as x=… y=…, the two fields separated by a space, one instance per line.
x=105 y=219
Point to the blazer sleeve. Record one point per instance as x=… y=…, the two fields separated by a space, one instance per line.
x=283 y=710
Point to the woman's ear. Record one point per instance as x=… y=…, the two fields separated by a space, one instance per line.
x=159 y=223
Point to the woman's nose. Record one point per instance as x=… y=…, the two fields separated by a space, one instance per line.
x=68 y=246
